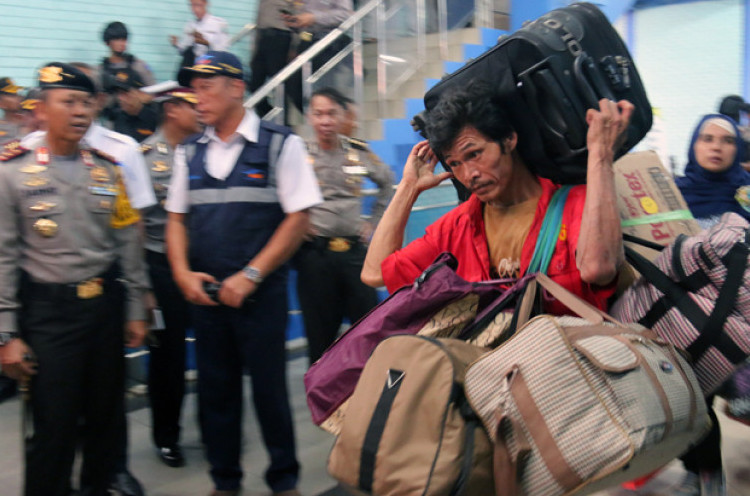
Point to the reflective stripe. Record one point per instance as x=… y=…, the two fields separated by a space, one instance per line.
x=274 y=150
x=234 y=194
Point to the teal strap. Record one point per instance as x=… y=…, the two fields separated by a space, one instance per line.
x=549 y=232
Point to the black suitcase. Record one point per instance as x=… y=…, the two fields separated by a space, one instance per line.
x=547 y=74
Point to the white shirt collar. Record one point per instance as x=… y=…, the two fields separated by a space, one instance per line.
x=248 y=128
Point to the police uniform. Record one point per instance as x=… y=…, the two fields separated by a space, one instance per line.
x=166 y=373
x=235 y=194
x=72 y=272
x=329 y=265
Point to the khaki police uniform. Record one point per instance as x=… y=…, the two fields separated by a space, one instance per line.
x=166 y=374
x=72 y=273
x=329 y=264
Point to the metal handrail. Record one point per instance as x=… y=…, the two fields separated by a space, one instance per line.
x=246 y=30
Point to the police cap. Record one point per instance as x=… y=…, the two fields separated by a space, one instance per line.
x=58 y=75
x=213 y=63
x=115 y=31
x=8 y=87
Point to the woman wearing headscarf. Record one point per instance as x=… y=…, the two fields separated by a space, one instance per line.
x=713 y=176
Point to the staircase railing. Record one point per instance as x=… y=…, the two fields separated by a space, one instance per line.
x=384 y=24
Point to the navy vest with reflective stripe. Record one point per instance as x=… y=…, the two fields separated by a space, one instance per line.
x=231 y=220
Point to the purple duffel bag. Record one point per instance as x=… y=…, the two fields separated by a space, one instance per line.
x=331 y=380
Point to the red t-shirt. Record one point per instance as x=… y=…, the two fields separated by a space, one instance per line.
x=461 y=232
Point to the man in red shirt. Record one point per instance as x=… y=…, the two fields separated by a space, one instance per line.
x=493 y=234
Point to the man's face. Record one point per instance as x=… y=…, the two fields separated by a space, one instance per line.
x=66 y=113
x=480 y=164
x=715 y=148
x=217 y=97
x=326 y=117
x=10 y=103
x=199 y=8
x=118 y=46
x=183 y=115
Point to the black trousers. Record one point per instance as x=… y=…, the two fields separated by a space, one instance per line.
x=230 y=342
x=329 y=288
x=707 y=454
x=166 y=373
x=270 y=56
x=77 y=393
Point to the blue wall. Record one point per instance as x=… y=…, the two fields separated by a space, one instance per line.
x=39 y=31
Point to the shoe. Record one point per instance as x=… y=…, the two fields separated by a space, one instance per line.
x=124 y=484
x=690 y=485
x=225 y=492
x=713 y=483
x=171 y=456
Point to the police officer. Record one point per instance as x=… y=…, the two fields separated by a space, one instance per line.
x=330 y=261
x=246 y=186
x=166 y=373
x=10 y=104
x=72 y=275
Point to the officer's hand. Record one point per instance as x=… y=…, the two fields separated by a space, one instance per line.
x=17 y=360
x=135 y=333
x=200 y=39
x=191 y=285
x=301 y=20
x=235 y=290
x=608 y=127
x=420 y=168
x=173 y=40
x=365 y=232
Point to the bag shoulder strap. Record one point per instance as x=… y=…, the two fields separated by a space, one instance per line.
x=549 y=232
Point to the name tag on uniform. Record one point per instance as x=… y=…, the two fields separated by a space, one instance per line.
x=359 y=170
x=102 y=190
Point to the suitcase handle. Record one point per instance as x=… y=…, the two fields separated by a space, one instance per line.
x=590 y=82
x=541 y=85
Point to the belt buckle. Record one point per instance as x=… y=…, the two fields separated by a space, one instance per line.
x=89 y=289
x=339 y=244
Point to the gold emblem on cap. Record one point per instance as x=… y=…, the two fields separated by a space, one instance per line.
x=35 y=182
x=160 y=166
x=51 y=74
x=162 y=148
x=100 y=174
x=33 y=169
x=42 y=206
x=45 y=227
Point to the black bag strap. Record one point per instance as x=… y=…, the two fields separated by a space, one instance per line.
x=375 y=430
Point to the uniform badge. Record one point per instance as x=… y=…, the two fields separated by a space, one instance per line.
x=35 y=182
x=42 y=155
x=353 y=156
x=33 y=169
x=100 y=174
x=42 y=206
x=145 y=148
x=162 y=148
x=46 y=227
x=3 y=133
x=88 y=159
x=160 y=166
x=105 y=204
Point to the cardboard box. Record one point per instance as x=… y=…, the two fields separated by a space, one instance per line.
x=651 y=206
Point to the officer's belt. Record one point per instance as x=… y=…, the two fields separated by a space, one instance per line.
x=87 y=289
x=337 y=244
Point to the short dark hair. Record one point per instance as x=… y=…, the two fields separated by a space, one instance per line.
x=474 y=105
x=333 y=94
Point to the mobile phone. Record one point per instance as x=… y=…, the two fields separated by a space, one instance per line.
x=212 y=290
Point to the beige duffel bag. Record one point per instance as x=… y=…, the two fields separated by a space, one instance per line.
x=576 y=405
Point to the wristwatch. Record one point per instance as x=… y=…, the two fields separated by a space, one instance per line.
x=7 y=337
x=253 y=274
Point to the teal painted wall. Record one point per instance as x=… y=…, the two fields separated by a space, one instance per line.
x=38 y=31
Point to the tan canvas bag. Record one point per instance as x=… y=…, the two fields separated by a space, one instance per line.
x=576 y=405
x=408 y=429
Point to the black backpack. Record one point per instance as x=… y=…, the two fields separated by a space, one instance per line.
x=547 y=74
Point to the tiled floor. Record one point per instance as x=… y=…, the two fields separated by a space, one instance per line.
x=313 y=446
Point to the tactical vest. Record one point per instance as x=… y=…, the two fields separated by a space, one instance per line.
x=231 y=220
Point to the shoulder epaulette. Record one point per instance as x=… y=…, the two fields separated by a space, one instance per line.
x=358 y=144
x=12 y=150
x=145 y=148
x=105 y=156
